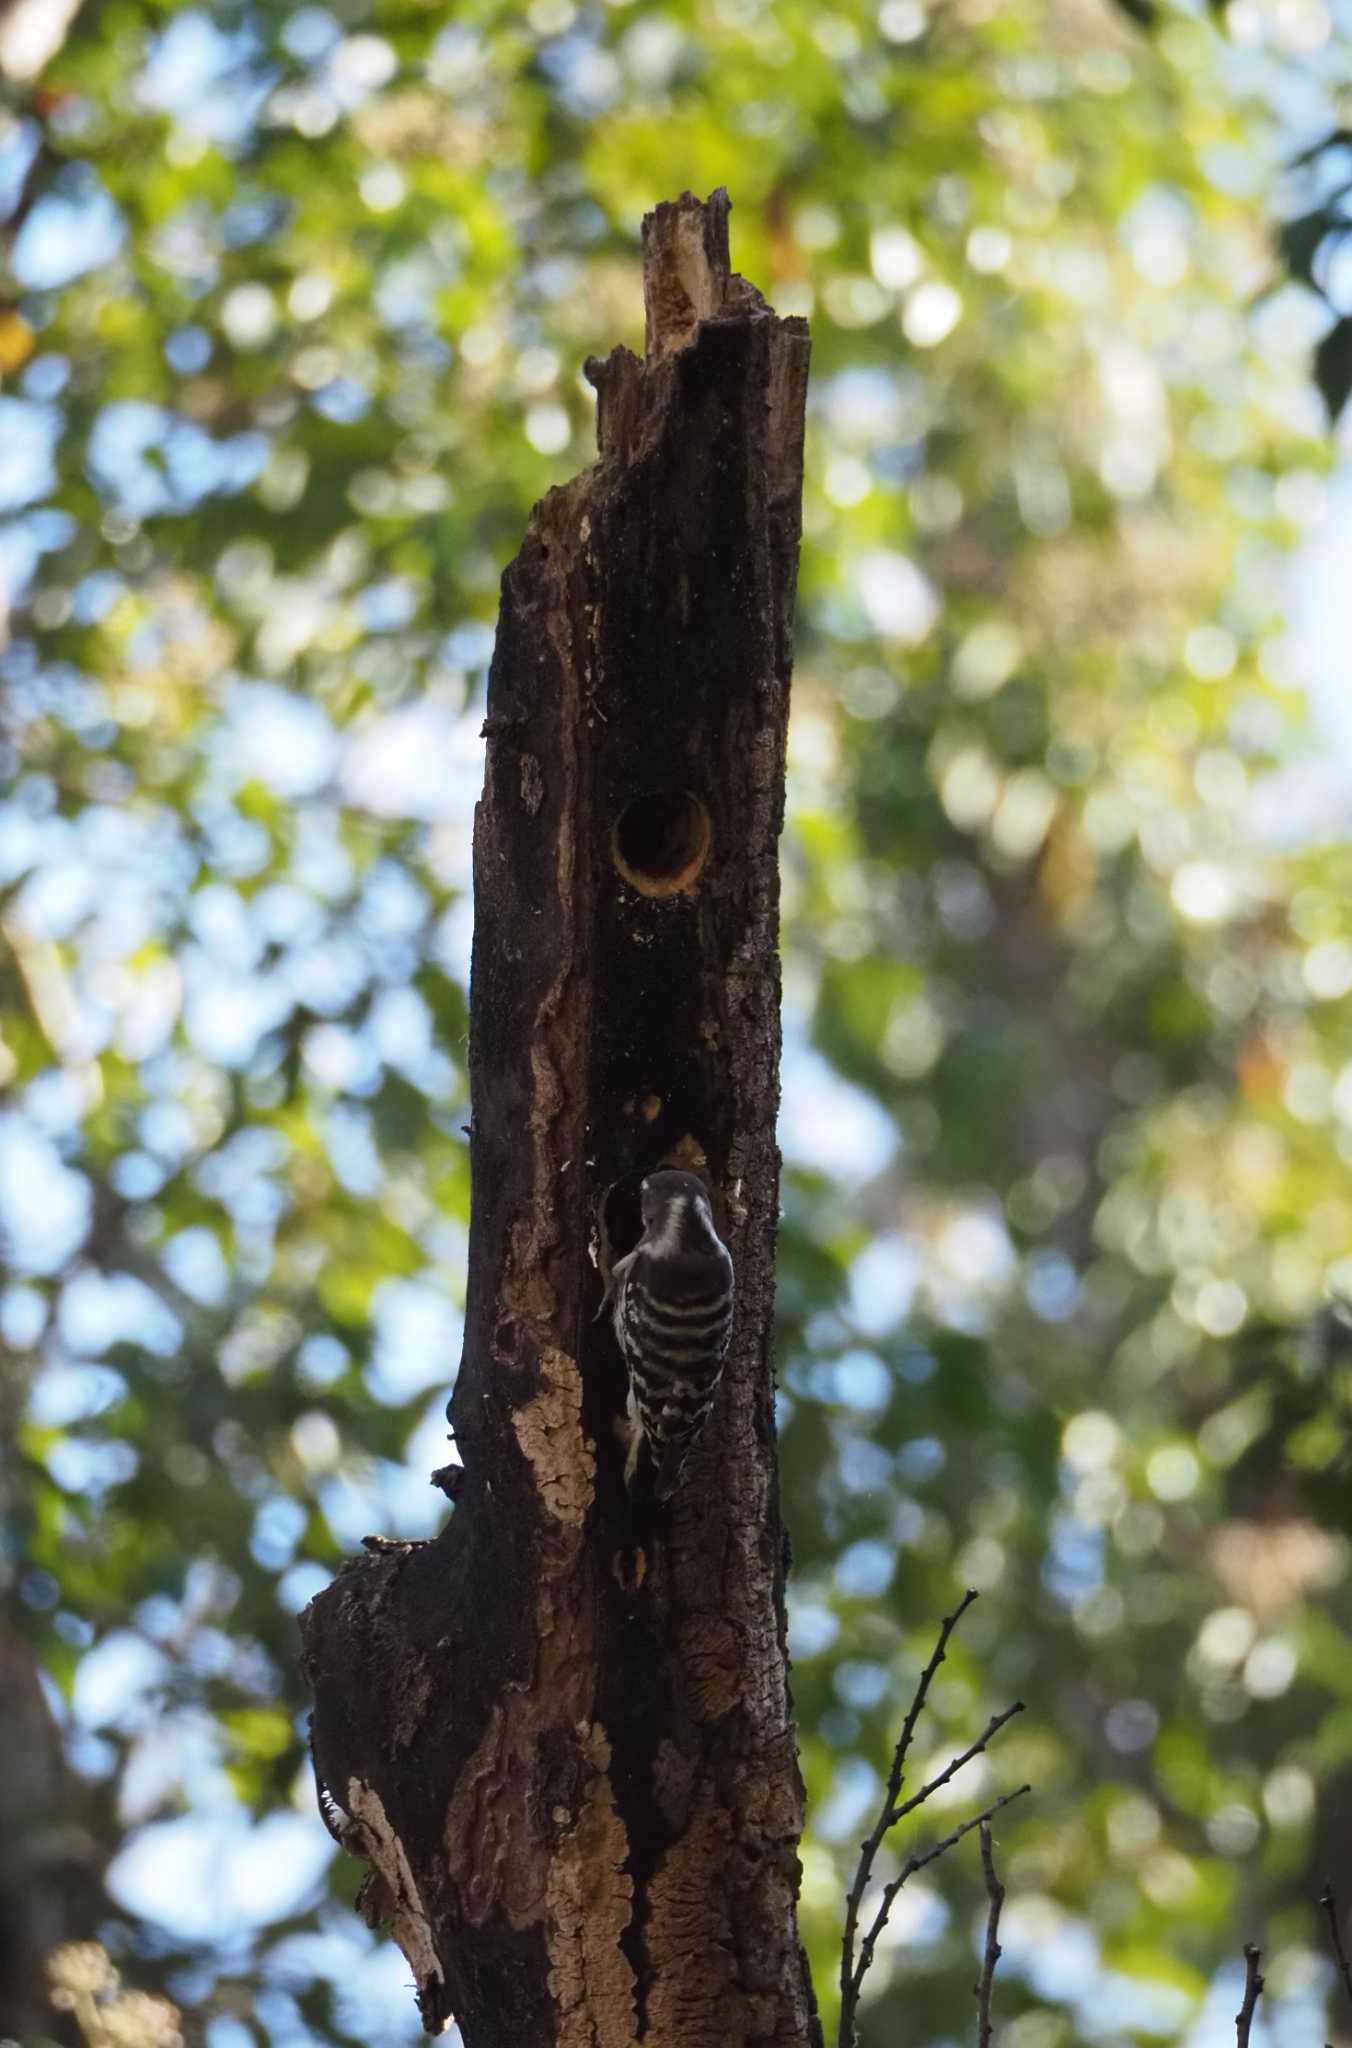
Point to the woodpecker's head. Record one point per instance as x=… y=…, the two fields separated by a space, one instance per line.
x=676 y=1206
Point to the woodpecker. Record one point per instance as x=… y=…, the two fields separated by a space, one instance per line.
x=672 y=1307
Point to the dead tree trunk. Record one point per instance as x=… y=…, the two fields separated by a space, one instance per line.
x=561 y=1734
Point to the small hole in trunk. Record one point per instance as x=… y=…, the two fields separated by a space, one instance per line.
x=662 y=841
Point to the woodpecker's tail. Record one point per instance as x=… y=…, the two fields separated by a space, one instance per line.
x=668 y=1463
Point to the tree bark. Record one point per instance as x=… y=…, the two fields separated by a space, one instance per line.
x=50 y=1866
x=561 y=1733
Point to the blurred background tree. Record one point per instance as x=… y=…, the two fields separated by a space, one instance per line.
x=293 y=309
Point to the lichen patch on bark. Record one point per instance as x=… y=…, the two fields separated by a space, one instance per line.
x=532 y=784
x=489 y=1842
x=549 y=1431
x=589 y=1903
x=384 y=1851
x=689 y=1937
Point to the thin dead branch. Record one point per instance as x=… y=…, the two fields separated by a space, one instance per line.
x=869 y=1848
x=857 y=1955
x=903 y=1877
x=1330 y=1905
x=995 y=1892
x=991 y=1729
x=1253 y=1985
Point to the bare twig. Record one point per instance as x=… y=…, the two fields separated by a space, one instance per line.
x=1253 y=1984
x=908 y=1871
x=995 y=1892
x=1330 y=1906
x=992 y=1728
x=856 y=1956
x=868 y=1849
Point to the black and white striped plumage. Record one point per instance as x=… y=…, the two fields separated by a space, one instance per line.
x=672 y=1306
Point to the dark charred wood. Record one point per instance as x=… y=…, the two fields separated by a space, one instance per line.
x=561 y=1733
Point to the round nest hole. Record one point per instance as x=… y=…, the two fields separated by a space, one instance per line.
x=662 y=841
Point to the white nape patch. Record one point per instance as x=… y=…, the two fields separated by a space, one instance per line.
x=668 y=1237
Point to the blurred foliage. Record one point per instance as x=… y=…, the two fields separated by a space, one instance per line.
x=1312 y=245
x=291 y=329
x=85 y=1985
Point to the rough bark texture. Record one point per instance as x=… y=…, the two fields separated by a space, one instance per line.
x=561 y=1733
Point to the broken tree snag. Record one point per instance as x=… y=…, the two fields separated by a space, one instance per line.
x=561 y=1734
